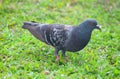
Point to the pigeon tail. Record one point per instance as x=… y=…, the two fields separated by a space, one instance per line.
x=27 y=25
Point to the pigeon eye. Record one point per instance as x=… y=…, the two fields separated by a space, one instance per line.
x=91 y=23
x=29 y=24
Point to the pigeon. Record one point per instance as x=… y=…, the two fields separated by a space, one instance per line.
x=63 y=37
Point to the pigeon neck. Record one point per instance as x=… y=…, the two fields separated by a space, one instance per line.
x=84 y=28
x=84 y=31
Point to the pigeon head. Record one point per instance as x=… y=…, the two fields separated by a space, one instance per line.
x=27 y=25
x=91 y=24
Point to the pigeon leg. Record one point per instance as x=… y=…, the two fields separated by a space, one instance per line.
x=65 y=59
x=63 y=53
x=56 y=54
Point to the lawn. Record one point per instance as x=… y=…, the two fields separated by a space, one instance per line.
x=24 y=57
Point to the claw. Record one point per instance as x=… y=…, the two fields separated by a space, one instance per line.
x=57 y=58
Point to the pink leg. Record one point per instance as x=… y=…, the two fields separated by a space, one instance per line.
x=57 y=58
x=56 y=54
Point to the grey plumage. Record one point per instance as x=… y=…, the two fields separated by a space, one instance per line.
x=63 y=37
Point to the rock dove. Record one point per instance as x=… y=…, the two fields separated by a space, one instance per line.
x=63 y=37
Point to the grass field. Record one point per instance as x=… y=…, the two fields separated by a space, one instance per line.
x=24 y=57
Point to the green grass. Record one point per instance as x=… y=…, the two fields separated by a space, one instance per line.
x=24 y=57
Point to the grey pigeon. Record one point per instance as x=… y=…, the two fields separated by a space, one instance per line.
x=63 y=37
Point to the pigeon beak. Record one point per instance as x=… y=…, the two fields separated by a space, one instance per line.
x=98 y=27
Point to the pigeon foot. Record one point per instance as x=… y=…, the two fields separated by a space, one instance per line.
x=57 y=58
